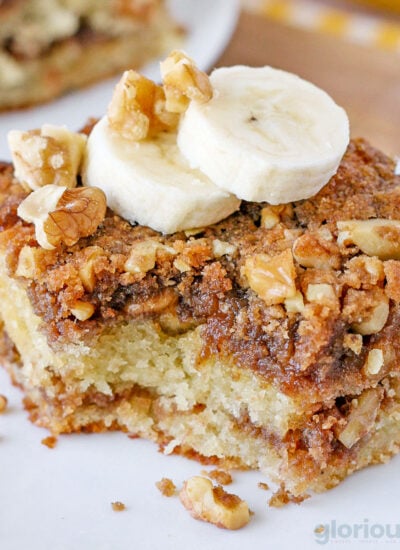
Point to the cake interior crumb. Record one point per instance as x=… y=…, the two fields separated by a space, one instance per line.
x=282 y=497
x=220 y=476
x=118 y=506
x=50 y=441
x=166 y=487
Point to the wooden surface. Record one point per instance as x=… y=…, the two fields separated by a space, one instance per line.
x=365 y=81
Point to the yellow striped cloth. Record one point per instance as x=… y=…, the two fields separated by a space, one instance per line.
x=364 y=29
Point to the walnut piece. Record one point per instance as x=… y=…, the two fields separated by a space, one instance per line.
x=295 y=304
x=272 y=215
x=310 y=251
x=374 y=362
x=361 y=418
x=375 y=237
x=86 y=271
x=183 y=82
x=353 y=342
x=137 y=108
x=375 y=322
x=143 y=256
x=63 y=215
x=272 y=278
x=322 y=293
x=52 y=155
x=213 y=504
x=82 y=310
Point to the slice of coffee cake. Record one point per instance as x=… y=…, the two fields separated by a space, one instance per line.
x=173 y=338
x=266 y=338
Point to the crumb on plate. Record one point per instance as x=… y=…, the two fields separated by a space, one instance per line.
x=220 y=476
x=166 y=487
x=118 y=506
x=49 y=441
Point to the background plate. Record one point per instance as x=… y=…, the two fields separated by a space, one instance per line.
x=60 y=499
x=209 y=23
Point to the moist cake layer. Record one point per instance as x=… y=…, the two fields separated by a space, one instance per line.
x=173 y=337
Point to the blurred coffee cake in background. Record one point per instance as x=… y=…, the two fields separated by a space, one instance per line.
x=49 y=47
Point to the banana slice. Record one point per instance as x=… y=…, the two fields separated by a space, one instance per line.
x=266 y=135
x=149 y=182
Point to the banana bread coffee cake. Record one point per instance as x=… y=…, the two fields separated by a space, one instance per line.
x=48 y=47
x=268 y=339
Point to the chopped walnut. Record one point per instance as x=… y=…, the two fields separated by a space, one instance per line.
x=295 y=304
x=183 y=82
x=3 y=403
x=143 y=255
x=213 y=504
x=361 y=418
x=31 y=262
x=118 y=506
x=366 y=310
x=166 y=487
x=137 y=108
x=52 y=155
x=63 y=215
x=363 y=272
x=222 y=248
x=272 y=278
x=374 y=362
x=322 y=293
x=375 y=237
x=272 y=215
x=87 y=269
x=154 y=304
x=310 y=251
x=353 y=342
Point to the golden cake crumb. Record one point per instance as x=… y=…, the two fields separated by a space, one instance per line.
x=166 y=487
x=220 y=476
x=282 y=497
x=3 y=403
x=118 y=506
x=263 y=486
x=50 y=442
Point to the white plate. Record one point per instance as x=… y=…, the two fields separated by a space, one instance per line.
x=60 y=499
x=209 y=23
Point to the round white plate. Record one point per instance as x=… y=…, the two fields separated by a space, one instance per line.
x=60 y=499
x=209 y=25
